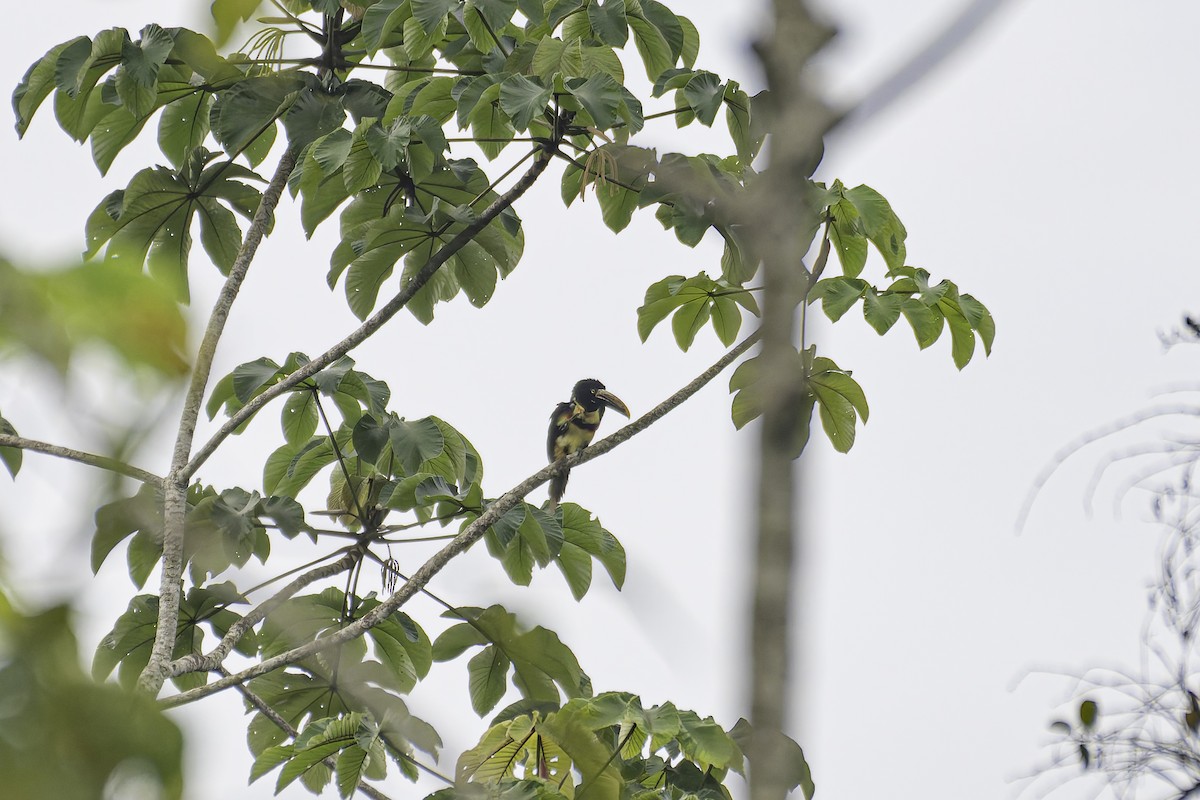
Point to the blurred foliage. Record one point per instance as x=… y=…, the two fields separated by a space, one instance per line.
x=66 y=737
x=51 y=314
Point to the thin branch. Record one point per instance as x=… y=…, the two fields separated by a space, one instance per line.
x=265 y=709
x=472 y=533
x=377 y=320
x=1090 y=437
x=175 y=485
x=91 y=459
x=214 y=658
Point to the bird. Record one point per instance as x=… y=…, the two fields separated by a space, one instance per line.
x=573 y=426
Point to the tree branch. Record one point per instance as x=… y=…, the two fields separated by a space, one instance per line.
x=265 y=709
x=175 y=486
x=471 y=534
x=377 y=320
x=212 y=661
x=781 y=215
x=92 y=460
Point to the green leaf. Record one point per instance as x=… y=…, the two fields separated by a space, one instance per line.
x=881 y=224
x=840 y=400
x=369 y=438
x=689 y=320
x=490 y=126
x=609 y=22
x=381 y=20
x=403 y=648
x=137 y=79
x=962 y=337
x=417 y=442
x=584 y=536
x=661 y=299
x=488 y=677
x=228 y=13
x=747 y=405
x=838 y=295
x=253 y=377
x=881 y=310
x=556 y=57
x=432 y=13
x=704 y=94
x=36 y=85
x=980 y=319
x=120 y=519
x=419 y=41
x=245 y=111
x=726 y=319
x=738 y=119
x=313 y=112
x=1089 y=712
x=299 y=419
x=523 y=99
x=219 y=233
x=600 y=96
x=653 y=48
x=926 y=322
x=183 y=126
x=845 y=231
x=11 y=456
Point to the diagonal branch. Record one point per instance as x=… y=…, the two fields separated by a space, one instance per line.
x=471 y=534
x=377 y=320
x=91 y=459
x=265 y=709
x=175 y=486
x=195 y=662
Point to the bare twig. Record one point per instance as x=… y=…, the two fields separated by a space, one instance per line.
x=464 y=540
x=175 y=486
x=91 y=459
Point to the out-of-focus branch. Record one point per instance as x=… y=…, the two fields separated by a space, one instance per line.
x=780 y=213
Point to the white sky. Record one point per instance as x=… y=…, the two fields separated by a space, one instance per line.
x=1047 y=169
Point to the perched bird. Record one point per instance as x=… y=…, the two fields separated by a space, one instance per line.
x=573 y=425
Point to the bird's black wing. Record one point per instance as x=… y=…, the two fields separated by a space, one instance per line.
x=560 y=422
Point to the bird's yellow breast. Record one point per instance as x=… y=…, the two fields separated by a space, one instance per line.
x=580 y=429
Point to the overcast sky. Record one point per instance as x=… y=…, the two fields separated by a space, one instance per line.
x=1048 y=169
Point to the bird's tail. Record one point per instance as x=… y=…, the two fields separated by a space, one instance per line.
x=558 y=486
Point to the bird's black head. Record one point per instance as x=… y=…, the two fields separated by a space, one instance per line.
x=591 y=395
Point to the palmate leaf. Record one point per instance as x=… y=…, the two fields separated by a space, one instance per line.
x=585 y=539
x=838 y=397
x=540 y=661
x=523 y=538
x=609 y=22
x=545 y=749
x=250 y=107
x=150 y=221
x=694 y=302
x=126 y=648
x=300 y=697
x=860 y=215
x=378 y=232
